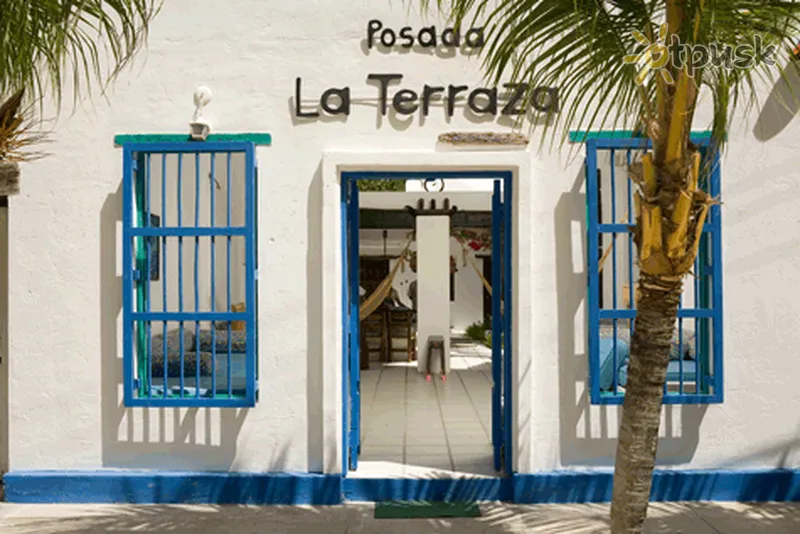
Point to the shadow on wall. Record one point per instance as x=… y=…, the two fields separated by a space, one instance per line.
x=780 y=455
x=314 y=321
x=588 y=434
x=152 y=438
x=781 y=106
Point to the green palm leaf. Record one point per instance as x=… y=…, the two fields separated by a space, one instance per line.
x=47 y=43
x=580 y=47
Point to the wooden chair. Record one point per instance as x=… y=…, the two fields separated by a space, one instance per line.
x=402 y=326
x=373 y=338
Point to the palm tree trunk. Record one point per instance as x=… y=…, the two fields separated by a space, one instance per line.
x=654 y=325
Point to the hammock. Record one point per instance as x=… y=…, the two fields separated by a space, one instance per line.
x=486 y=283
x=376 y=298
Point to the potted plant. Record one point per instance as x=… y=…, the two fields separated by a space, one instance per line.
x=16 y=137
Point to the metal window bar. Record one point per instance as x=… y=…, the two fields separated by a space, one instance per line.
x=695 y=372
x=190 y=357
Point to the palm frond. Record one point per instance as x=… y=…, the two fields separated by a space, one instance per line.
x=44 y=44
x=18 y=132
x=578 y=46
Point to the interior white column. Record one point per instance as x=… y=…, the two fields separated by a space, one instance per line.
x=433 y=287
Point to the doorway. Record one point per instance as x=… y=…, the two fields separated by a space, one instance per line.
x=359 y=390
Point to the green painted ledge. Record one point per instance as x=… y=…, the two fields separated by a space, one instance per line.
x=256 y=138
x=580 y=136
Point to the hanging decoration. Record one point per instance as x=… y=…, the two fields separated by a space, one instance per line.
x=477 y=240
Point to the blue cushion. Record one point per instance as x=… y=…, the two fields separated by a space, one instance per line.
x=607 y=360
x=238 y=365
x=689 y=371
x=673 y=372
x=190 y=360
x=679 y=350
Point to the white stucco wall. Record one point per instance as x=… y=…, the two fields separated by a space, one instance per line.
x=433 y=293
x=454 y=185
x=467 y=308
x=65 y=285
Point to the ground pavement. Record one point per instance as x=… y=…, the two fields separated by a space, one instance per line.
x=690 y=518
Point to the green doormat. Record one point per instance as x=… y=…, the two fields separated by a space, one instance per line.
x=424 y=510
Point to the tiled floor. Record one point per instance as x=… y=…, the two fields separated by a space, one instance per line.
x=411 y=427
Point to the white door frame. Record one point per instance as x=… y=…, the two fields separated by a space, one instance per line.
x=333 y=163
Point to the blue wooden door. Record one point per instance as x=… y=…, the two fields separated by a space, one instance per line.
x=501 y=327
x=505 y=243
x=497 y=327
x=351 y=370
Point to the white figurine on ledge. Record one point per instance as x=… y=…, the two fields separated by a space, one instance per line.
x=199 y=128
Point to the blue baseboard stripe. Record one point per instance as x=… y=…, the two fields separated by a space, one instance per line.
x=152 y=487
x=562 y=487
x=170 y=487
x=757 y=485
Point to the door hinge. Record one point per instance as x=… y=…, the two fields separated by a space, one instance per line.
x=136 y=383
x=137 y=274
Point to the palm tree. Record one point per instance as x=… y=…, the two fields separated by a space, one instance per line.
x=45 y=44
x=585 y=48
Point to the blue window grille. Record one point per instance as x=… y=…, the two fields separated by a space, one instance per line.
x=695 y=372
x=189 y=274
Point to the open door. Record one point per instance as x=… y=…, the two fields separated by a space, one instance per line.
x=351 y=372
x=501 y=327
x=505 y=245
x=497 y=327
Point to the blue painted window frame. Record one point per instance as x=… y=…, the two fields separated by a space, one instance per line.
x=134 y=153
x=710 y=385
